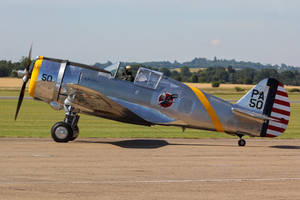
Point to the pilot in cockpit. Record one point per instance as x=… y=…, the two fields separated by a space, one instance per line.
x=127 y=74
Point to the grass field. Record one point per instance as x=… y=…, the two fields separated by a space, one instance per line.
x=36 y=118
x=191 y=69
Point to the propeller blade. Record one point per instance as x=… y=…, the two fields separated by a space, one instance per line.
x=26 y=77
x=29 y=59
x=21 y=96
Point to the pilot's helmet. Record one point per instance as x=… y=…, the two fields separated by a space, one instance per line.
x=128 y=67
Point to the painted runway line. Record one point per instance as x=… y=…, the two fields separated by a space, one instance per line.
x=156 y=181
x=9 y=97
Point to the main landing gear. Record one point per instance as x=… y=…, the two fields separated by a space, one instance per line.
x=241 y=142
x=66 y=130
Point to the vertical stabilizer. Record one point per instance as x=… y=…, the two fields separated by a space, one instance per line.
x=269 y=98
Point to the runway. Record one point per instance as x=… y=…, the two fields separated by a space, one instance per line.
x=149 y=169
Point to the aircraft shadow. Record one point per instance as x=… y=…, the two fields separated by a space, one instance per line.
x=285 y=147
x=146 y=143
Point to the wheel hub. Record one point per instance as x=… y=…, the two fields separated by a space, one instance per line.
x=61 y=132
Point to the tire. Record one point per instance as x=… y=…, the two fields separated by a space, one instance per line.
x=61 y=132
x=75 y=133
x=242 y=142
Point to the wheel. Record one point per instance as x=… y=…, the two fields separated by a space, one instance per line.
x=61 y=132
x=242 y=142
x=75 y=133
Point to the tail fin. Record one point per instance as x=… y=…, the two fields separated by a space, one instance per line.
x=270 y=99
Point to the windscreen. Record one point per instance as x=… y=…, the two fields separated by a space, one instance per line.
x=113 y=69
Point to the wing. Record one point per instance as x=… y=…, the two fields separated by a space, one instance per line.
x=93 y=102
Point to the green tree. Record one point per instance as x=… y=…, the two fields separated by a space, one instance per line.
x=221 y=75
x=185 y=73
x=166 y=71
x=245 y=76
x=288 y=78
x=265 y=73
x=230 y=69
x=194 y=78
x=4 y=70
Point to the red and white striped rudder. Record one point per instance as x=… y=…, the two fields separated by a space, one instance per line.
x=280 y=113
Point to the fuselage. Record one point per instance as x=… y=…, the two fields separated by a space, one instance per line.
x=163 y=101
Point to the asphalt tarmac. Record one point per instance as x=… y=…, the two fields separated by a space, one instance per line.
x=149 y=169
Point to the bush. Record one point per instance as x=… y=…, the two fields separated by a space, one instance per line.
x=215 y=84
x=294 y=90
x=239 y=89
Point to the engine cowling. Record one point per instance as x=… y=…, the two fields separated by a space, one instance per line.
x=43 y=79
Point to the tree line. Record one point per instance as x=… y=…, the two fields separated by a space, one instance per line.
x=227 y=75
x=9 y=68
x=206 y=63
x=219 y=74
x=231 y=75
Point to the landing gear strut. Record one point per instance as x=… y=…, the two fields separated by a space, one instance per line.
x=241 y=142
x=66 y=130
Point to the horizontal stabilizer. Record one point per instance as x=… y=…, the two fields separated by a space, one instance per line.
x=249 y=113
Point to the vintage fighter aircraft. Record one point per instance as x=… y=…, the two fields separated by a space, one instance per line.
x=151 y=99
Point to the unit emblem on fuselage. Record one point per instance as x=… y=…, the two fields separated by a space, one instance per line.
x=166 y=99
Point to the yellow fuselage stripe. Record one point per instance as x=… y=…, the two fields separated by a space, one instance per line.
x=34 y=75
x=209 y=109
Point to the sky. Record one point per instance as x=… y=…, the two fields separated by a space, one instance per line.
x=266 y=31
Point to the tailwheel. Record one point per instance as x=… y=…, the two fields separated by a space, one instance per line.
x=62 y=132
x=242 y=142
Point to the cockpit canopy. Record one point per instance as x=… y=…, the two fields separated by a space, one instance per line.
x=144 y=77
x=147 y=78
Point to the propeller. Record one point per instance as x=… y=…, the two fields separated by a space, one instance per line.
x=26 y=77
